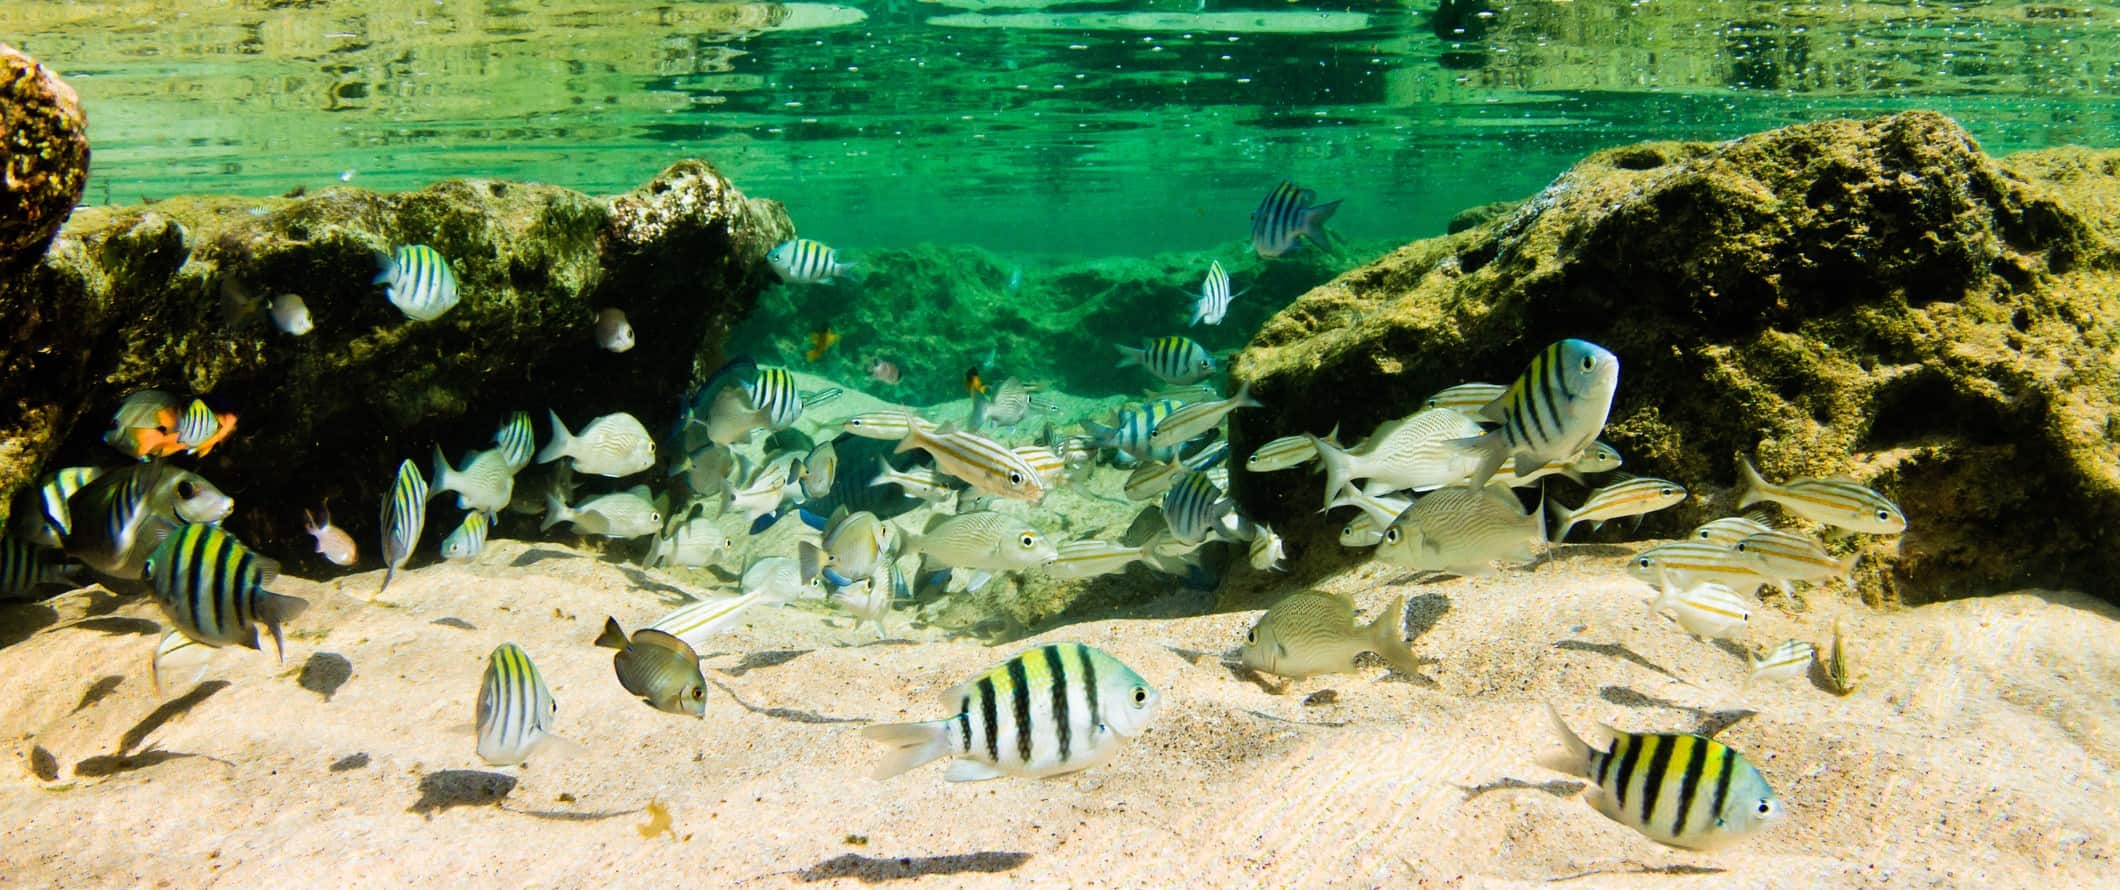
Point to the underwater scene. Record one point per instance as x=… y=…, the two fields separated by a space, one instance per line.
x=1105 y=443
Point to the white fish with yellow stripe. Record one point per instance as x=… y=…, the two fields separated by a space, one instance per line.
x=1837 y=502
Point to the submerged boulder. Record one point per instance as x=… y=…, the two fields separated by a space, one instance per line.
x=1874 y=299
x=174 y=296
x=43 y=156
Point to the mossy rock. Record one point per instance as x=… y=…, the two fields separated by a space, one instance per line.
x=166 y=296
x=43 y=155
x=1876 y=299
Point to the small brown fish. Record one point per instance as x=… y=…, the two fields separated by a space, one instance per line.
x=821 y=341
x=883 y=371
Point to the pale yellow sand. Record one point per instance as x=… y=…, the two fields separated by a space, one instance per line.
x=1981 y=748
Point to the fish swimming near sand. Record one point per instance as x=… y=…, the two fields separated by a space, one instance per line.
x=657 y=666
x=1049 y=711
x=1676 y=789
x=1837 y=502
x=1312 y=632
x=614 y=445
x=516 y=712
x=124 y=513
x=469 y=539
x=213 y=589
x=404 y=516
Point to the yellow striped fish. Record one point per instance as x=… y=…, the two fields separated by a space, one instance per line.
x=1787 y=661
x=1466 y=398
x=1836 y=664
x=1553 y=411
x=1052 y=710
x=516 y=441
x=404 y=515
x=213 y=589
x=1598 y=458
x=1151 y=479
x=984 y=463
x=1197 y=419
x=516 y=712
x=1682 y=790
x=1836 y=502
x=1690 y=562
x=49 y=525
x=1288 y=216
x=893 y=424
x=419 y=281
x=1092 y=558
x=1633 y=497
x=1729 y=530
x=24 y=567
x=1177 y=360
x=1788 y=556
x=469 y=539
x=1283 y=453
x=1362 y=531
x=1706 y=609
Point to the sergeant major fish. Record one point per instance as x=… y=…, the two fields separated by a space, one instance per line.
x=419 y=281
x=803 y=261
x=1212 y=304
x=1288 y=216
x=1553 y=411
x=121 y=515
x=1681 y=790
x=213 y=589
x=1049 y=711
x=404 y=516
x=1176 y=360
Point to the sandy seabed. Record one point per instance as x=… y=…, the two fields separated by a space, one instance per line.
x=1979 y=750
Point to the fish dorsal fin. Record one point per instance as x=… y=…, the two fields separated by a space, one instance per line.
x=641 y=491
x=268 y=569
x=664 y=640
x=1496 y=411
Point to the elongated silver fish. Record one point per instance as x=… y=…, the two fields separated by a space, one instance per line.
x=1706 y=609
x=1633 y=497
x=1176 y=360
x=855 y=544
x=657 y=666
x=613 y=445
x=1198 y=418
x=420 y=282
x=1091 y=558
x=1788 y=556
x=404 y=516
x=1729 y=530
x=121 y=515
x=213 y=589
x=516 y=712
x=978 y=544
x=485 y=483
x=1836 y=502
x=1380 y=509
x=920 y=482
x=696 y=622
x=1598 y=458
x=803 y=261
x=984 y=463
x=1688 y=563
x=893 y=424
x=1287 y=217
x=1283 y=453
x=1151 y=479
x=1052 y=710
x=1553 y=411
x=1682 y=790
x=1788 y=661
x=516 y=441
x=1411 y=453
x=1312 y=632
x=469 y=539
x=1464 y=531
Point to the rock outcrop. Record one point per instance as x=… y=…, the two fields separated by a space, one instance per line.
x=43 y=157
x=172 y=296
x=1877 y=299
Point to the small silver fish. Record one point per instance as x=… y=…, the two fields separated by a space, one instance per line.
x=291 y=315
x=333 y=543
x=1267 y=554
x=893 y=424
x=624 y=514
x=1788 y=556
x=988 y=465
x=695 y=542
x=1283 y=453
x=613 y=332
x=1093 y=558
x=1463 y=531
x=1706 y=609
x=1835 y=502
x=1196 y=419
x=1633 y=497
x=1691 y=562
x=469 y=539
x=819 y=469
x=779 y=575
x=1151 y=479
x=1312 y=632
x=768 y=489
x=920 y=482
x=1788 y=661
x=1468 y=399
x=485 y=483
x=1729 y=530
x=697 y=622
x=613 y=445
x=1362 y=531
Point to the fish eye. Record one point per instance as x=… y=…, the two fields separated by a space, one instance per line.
x=696 y=693
x=1665 y=491
x=1015 y=478
x=1883 y=514
x=1207 y=364
x=1251 y=636
x=654 y=517
x=1140 y=696
x=1765 y=807
x=1589 y=362
x=854 y=422
x=186 y=490
x=1391 y=535
x=1028 y=540
x=1645 y=562
x=1347 y=529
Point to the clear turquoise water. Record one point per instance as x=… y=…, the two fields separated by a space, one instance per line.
x=1087 y=128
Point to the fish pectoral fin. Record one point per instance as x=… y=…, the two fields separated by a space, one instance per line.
x=970 y=771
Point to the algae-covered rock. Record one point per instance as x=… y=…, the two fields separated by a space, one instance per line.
x=171 y=296
x=935 y=311
x=43 y=156
x=1877 y=299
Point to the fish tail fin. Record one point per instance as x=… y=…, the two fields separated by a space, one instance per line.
x=1100 y=435
x=1575 y=759
x=385 y=268
x=442 y=473
x=1493 y=451
x=1847 y=566
x=1129 y=355
x=1750 y=486
x=561 y=442
x=389 y=571
x=811 y=561
x=275 y=610
x=1314 y=224
x=1561 y=514
x=613 y=637
x=1244 y=399
x=912 y=434
x=912 y=745
x=1390 y=642
x=1338 y=464
x=556 y=511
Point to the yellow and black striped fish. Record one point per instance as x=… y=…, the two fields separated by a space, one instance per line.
x=24 y=567
x=1286 y=217
x=516 y=712
x=516 y=440
x=803 y=261
x=213 y=588
x=420 y=282
x=1177 y=360
x=1681 y=790
x=1051 y=710
x=49 y=524
x=404 y=515
x=1553 y=411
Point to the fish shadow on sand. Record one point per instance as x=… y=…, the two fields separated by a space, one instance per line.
x=350 y=762
x=872 y=870
x=96 y=691
x=455 y=622
x=770 y=658
x=20 y=621
x=536 y=555
x=1423 y=613
x=791 y=714
x=569 y=815
x=443 y=789
x=1561 y=788
x=111 y=764
x=1573 y=552
x=324 y=673
x=1710 y=722
x=115 y=625
x=670 y=594
x=1615 y=650
x=167 y=711
x=126 y=758
x=1743 y=655
x=1640 y=868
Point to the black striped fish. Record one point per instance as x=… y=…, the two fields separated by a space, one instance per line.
x=1213 y=300
x=121 y=516
x=657 y=666
x=404 y=515
x=516 y=712
x=1194 y=506
x=1132 y=429
x=1052 y=710
x=52 y=520
x=1681 y=790
x=1288 y=215
x=803 y=261
x=420 y=282
x=213 y=589
x=516 y=441
x=23 y=567
x=1176 y=360
x=1553 y=411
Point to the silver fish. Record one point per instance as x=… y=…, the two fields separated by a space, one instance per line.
x=981 y=543
x=613 y=445
x=1466 y=398
x=696 y=541
x=613 y=332
x=1092 y=558
x=1788 y=661
x=1462 y=531
x=469 y=539
x=768 y=489
x=1283 y=453
x=657 y=666
x=1313 y=632
x=1196 y=419
x=1836 y=502
x=987 y=465
x=1411 y=453
x=1729 y=530
x=333 y=543
x=485 y=483
x=291 y=315
x=819 y=469
x=1706 y=609
x=1632 y=497
x=1267 y=553
x=624 y=514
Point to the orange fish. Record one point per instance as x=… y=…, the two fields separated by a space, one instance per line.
x=228 y=425
x=973 y=386
x=820 y=341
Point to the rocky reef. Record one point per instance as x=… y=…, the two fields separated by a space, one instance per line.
x=1876 y=299
x=172 y=296
x=43 y=156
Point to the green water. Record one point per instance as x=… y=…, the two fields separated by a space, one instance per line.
x=1086 y=128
